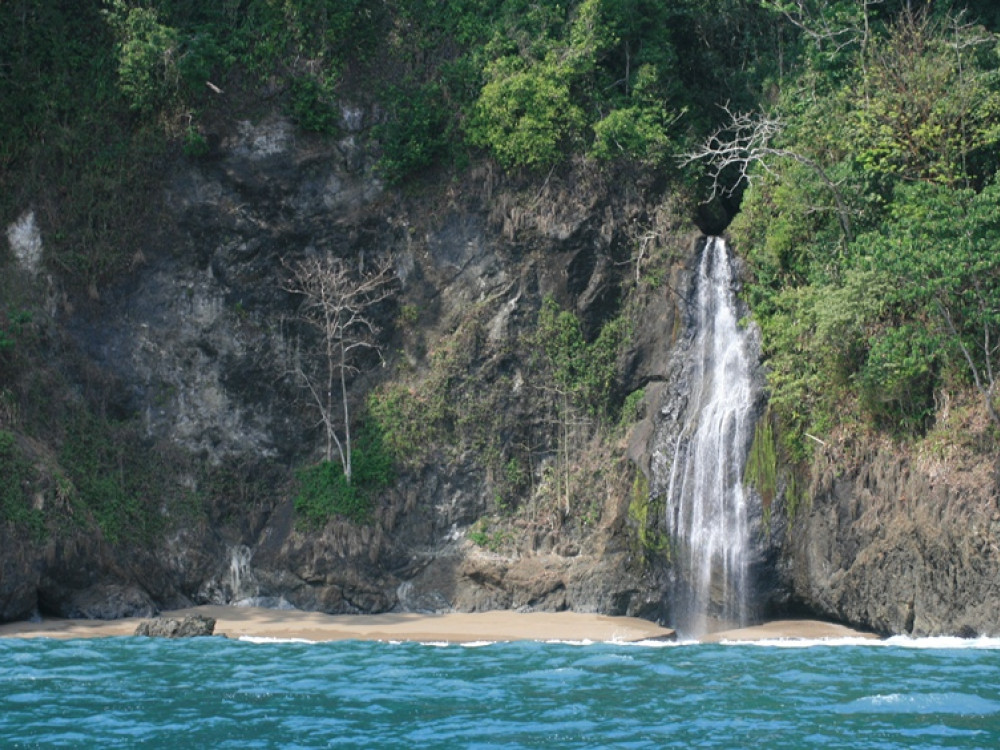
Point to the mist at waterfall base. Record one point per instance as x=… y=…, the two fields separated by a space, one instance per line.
x=213 y=692
x=700 y=454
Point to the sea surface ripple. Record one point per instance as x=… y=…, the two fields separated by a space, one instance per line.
x=134 y=692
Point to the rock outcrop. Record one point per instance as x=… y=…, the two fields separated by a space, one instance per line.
x=196 y=343
x=194 y=626
x=900 y=541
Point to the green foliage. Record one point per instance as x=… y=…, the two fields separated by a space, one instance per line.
x=409 y=315
x=644 y=511
x=601 y=76
x=410 y=421
x=418 y=131
x=632 y=409
x=481 y=535
x=817 y=337
x=526 y=115
x=901 y=110
x=930 y=102
x=939 y=247
x=148 y=53
x=113 y=475
x=632 y=132
x=585 y=371
x=896 y=383
x=514 y=474
x=295 y=38
x=324 y=491
x=195 y=144
x=16 y=475
x=312 y=107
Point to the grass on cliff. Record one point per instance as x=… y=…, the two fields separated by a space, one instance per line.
x=17 y=476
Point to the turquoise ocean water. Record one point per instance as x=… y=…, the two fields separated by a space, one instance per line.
x=134 y=692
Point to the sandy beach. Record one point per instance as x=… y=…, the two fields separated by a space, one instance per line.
x=788 y=629
x=236 y=622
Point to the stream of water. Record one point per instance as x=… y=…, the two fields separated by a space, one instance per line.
x=708 y=514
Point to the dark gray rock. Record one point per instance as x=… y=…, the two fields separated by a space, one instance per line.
x=898 y=543
x=166 y=627
x=18 y=579
x=105 y=601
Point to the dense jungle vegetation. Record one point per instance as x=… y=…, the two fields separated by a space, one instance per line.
x=861 y=136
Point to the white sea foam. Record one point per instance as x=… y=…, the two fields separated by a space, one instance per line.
x=947 y=702
x=944 y=641
x=272 y=639
x=654 y=643
x=896 y=641
x=806 y=642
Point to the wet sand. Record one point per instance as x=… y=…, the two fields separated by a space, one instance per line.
x=237 y=622
x=788 y=629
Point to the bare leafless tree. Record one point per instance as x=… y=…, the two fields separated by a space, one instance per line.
x=337 y=303
x=747 y=140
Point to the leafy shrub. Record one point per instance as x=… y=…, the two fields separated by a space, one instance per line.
x=897 y=381
x=417 y=132
x=632 y=409
x=324 y=491
x=195 y=144
x=587 y=371
x=495 y=540
x=526 y=113
x=312 y=107
x=408 y=421
x=633 y=132
x=148 y=51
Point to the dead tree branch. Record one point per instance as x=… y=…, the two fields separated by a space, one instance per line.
x=747 y=140
x=337 y=304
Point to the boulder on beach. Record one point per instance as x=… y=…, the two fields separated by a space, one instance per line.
x=166 y=627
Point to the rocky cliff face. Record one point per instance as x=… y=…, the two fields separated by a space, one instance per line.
x=503 y=499
x=196 y=346
x=900 y=539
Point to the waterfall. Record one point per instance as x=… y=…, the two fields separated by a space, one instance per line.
x=239 y=570
x=701 y=457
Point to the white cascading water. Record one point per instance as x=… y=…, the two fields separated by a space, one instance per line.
x=239 y=571
x=707 y=508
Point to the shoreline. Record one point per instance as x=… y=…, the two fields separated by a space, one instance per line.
x=788 y=630
x=501 y=625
